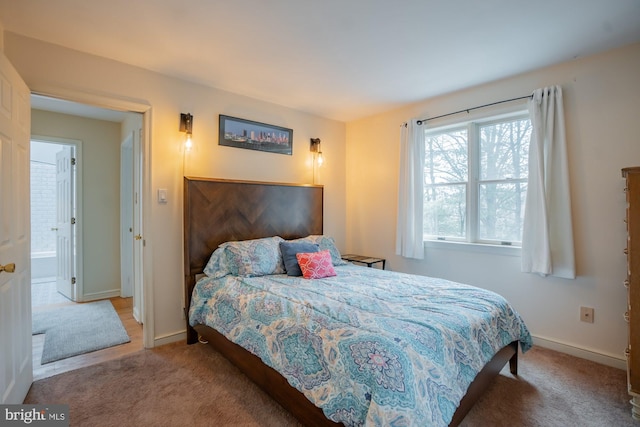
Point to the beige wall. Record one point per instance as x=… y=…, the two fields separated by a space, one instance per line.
x=50 y=69
x=100 y=195
x=602 y=98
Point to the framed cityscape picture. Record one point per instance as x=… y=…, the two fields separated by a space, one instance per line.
x=241 y=133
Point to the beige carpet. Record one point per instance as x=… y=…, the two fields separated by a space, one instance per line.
x=178 y=385
x=555 y=390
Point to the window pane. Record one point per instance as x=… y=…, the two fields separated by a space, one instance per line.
x=501 y=211
x=504 y=150
x=445 y=208
x=446 y=157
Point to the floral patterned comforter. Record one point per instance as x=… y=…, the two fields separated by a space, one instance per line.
x=369 y=347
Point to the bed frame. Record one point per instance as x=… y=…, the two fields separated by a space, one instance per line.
x=217 y=211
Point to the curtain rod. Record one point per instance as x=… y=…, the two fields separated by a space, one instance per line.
x=474 y=108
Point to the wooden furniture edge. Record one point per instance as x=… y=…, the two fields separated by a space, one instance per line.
x=189 y=275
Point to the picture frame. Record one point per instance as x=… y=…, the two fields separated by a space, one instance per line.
x=251 y=135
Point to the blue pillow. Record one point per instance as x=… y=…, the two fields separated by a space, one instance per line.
x=289 y=251
x=324 y=242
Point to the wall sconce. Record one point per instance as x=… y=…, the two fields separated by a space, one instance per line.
x=186 y=126
x=315 y=148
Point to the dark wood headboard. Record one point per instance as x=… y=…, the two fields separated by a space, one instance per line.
x=218 y=211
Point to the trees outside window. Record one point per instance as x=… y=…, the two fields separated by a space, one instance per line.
x=476 y=181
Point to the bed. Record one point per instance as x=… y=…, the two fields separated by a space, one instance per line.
x=307 y=359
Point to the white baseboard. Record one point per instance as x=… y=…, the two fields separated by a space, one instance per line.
x=101 y=295
x=583 y=353
x=170 y=338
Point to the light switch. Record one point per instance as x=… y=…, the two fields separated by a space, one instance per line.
x=162 y=195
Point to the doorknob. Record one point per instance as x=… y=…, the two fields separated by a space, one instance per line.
x=9 y=268
x=54 y=228
x=138 y=237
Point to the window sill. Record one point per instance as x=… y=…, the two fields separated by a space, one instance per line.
x=473 y=247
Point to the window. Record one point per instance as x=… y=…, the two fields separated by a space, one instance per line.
x=476 y=180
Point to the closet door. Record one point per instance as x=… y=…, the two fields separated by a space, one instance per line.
x=632 y=315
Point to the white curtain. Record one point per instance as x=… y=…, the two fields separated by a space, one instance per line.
x=547 y=241
x=409 y=233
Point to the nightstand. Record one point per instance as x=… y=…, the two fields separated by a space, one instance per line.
x=364 y=259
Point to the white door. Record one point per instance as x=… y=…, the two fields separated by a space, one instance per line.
x=16 y=370
x=126 y=217
x=138 y=161
x=65 y=223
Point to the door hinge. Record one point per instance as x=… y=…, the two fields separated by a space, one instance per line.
x=73 y=280
x=73 y=161
x=73 y=220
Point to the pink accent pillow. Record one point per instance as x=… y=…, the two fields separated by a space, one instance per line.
x=316 y=265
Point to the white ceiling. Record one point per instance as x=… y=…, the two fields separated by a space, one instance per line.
x=341 y=59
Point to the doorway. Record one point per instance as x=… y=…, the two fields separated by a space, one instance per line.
x=95 y=183
x=55 y=221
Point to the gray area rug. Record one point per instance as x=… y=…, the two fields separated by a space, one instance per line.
x=77 y=329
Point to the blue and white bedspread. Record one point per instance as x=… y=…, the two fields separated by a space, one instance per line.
x=369 y=347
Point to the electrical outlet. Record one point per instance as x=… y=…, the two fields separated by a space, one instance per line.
x=586 y=314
